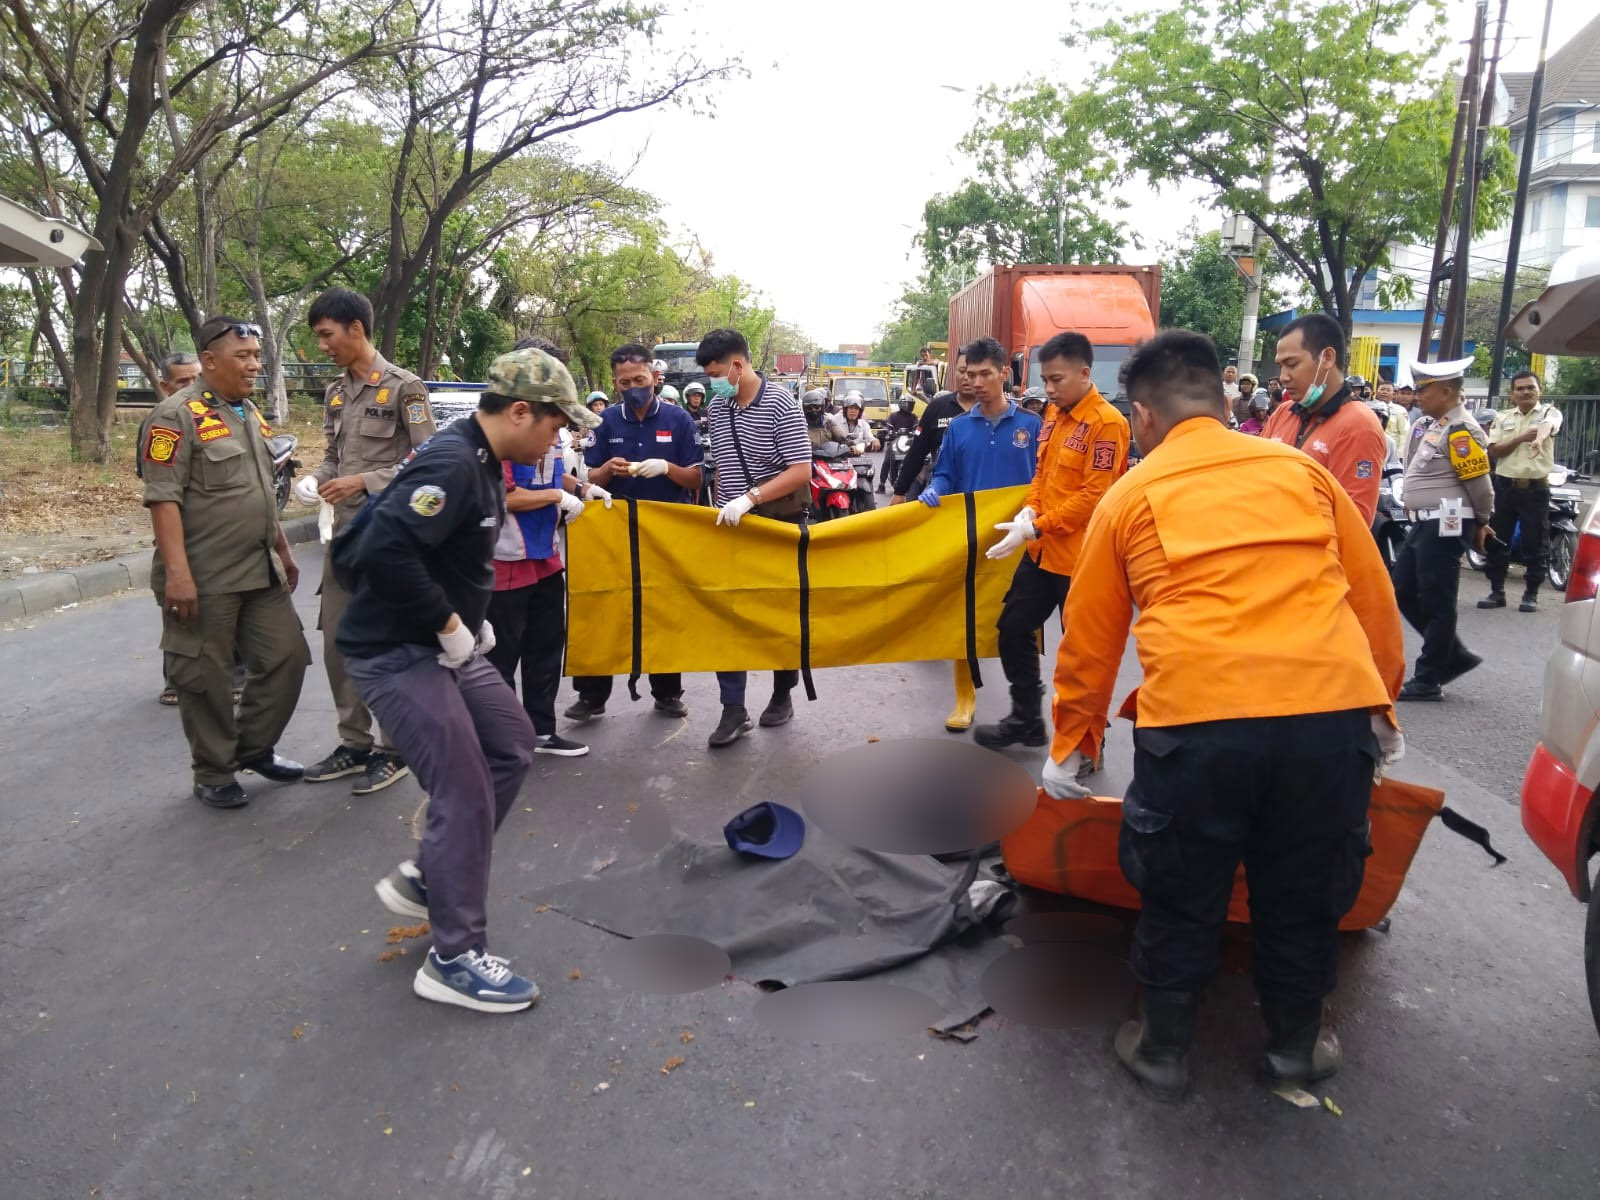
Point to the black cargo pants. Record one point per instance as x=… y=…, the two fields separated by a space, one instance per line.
x=1288 y=797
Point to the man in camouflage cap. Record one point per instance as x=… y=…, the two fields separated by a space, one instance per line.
x=420 y=564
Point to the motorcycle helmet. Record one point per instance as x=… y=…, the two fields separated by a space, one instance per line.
x=596 y=398
x=659 y=366
x=907 y=403
x=696 y=386
x=812 y=401
x=669 y=394
x=1260 y=402
x=854 y=399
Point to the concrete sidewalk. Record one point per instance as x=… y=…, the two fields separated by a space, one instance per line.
x=34 y=595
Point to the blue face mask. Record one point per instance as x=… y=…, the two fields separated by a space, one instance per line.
x=724 y=389
x=637 y=397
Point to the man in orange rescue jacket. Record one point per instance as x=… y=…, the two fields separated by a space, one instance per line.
x=1082 y=452
x=1272 y=654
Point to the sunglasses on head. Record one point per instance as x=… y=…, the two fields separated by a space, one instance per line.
x=244 y=329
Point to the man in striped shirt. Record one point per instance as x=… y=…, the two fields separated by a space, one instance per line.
x=763 y=457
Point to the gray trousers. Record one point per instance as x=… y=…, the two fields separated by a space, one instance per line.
x=469 y=742
x=355 y=722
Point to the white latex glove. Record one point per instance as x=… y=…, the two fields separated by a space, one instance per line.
x=485 y=641
x=1391 y=743
x=305 y=490
x=734 y=510
x=596 y=492
x=571 y=507
x=650 y=468
x=858 y=449
x=324 y=522
x=1018 y=532
x=1028 y=515
x=1060 y=779
x=459 y=646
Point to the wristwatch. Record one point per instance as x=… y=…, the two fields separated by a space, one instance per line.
x=755 y=494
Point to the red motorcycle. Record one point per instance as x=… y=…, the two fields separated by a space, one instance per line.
x=834 y=485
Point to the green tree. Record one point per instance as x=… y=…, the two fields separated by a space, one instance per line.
x=1343 y=103
x=1577 y=377
x=921 y=315
x=1202 y=290
x=1039 y=192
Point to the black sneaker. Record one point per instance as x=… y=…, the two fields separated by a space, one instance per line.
x=1495 y=599
x=1459 y=666
x=403 y=892
x=672 y=706
x=346 y=760
x=382 y=770
x=1416 y=690
x=581 y=710
x=779 y=711
x=274 y=767
x=1530 y=602
x=554 y=743
x=734 y=725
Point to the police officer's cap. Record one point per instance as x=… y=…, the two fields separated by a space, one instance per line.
x=533 y=375
x=1440 y=372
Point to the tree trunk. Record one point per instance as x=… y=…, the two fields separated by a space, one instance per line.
x=452 y=327
x=277 y=393
x=47 y=327
x=425 y=351
x=97 y=343
x=206 y=236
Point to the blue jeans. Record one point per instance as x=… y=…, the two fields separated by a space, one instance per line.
x=731 y=685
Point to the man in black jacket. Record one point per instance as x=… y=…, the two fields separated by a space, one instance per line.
x=420 y=559
x=936 y=417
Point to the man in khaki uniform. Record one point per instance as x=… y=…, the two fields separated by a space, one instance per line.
x=1522 y=443
x=374 y=414
x=223 y=567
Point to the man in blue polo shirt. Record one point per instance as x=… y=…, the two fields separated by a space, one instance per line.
x=996 y=444
x=644 y=450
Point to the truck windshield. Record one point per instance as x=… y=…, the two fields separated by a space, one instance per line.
x=1108 y=362
x=679 y=359
x=871 y=389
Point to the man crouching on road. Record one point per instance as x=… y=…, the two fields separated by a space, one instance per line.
x=1272 y=653
x=421 y=561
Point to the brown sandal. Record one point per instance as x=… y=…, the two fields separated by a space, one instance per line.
x=169 y=697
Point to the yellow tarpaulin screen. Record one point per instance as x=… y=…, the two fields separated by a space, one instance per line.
x=662 y=588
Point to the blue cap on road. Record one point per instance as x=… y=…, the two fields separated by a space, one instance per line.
x=766 y=830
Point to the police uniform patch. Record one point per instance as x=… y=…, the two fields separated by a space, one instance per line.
x=199 y=408
x=337 y=401
x=1019 y=439
x=1105 y=456
x=374 y=377
x=416 y=412
x=1469 y=460
x=383 y=395
x=210 y=427
x=427 y=500
x=161 y=444
x=1364 y=468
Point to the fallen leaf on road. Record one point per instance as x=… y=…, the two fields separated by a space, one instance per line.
x=1327 y=1103
x=542 y=908
x=298 y=1032
x=574 y=974
x=387 y=955
x=686 y=1037
x=672 y=1064
x=749 y=1103
x=873 y=738
x=455 y=1087
x=1298 y=1097
x=632 y=808
x=388 y=1129
x=401 y=933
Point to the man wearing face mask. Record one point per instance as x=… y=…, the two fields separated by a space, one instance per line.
x=763 y=464
x=645 y=449
x=1321 y=416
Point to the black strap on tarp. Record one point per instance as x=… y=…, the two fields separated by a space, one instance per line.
x=805 y=611
x=638 y=599
x=972 y=587
x=1471 y=830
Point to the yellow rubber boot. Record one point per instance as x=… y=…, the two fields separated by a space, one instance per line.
x=960 y=718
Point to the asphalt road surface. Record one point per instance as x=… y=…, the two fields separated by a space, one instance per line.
x=193 y=1002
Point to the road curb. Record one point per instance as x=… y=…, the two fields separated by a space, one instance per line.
x=33 y=595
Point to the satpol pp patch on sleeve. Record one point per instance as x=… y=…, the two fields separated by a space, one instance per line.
x=161 y=444
x=427 y=500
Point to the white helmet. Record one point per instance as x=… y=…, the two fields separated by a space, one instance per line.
x=669 y=394
x=854 y=396
x=659 y=366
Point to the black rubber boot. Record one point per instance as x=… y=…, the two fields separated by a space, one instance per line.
x=1495 y=599
x=1022 y=726
x=1530 y=601
x=1155 y=1047
x=1298 y=1051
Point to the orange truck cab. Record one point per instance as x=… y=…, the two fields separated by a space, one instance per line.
x=1116 y=307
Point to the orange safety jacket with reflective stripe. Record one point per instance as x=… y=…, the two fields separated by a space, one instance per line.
x=1082 y=452
x=1260 y=592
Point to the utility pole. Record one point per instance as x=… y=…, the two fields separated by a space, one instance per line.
x=1446 y=208
x=1252 y=278
x=1456 y=306
x=1530 y=135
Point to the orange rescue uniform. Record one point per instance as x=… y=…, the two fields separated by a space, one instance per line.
x=1082 y=452
x=1351 y=443
x=1260 y=591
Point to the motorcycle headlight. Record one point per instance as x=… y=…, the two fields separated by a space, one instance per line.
x=1397 y=489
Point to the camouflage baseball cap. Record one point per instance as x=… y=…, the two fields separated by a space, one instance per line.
x=532 y=374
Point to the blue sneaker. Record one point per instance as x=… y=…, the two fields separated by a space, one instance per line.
x=403 y=892
x=476 y=980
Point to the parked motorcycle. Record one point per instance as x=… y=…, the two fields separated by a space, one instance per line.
x=862 y=499
x=284 y=464
x=1561 y=541
x=897 y=449
x=835 y=487
x=1391 y=522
